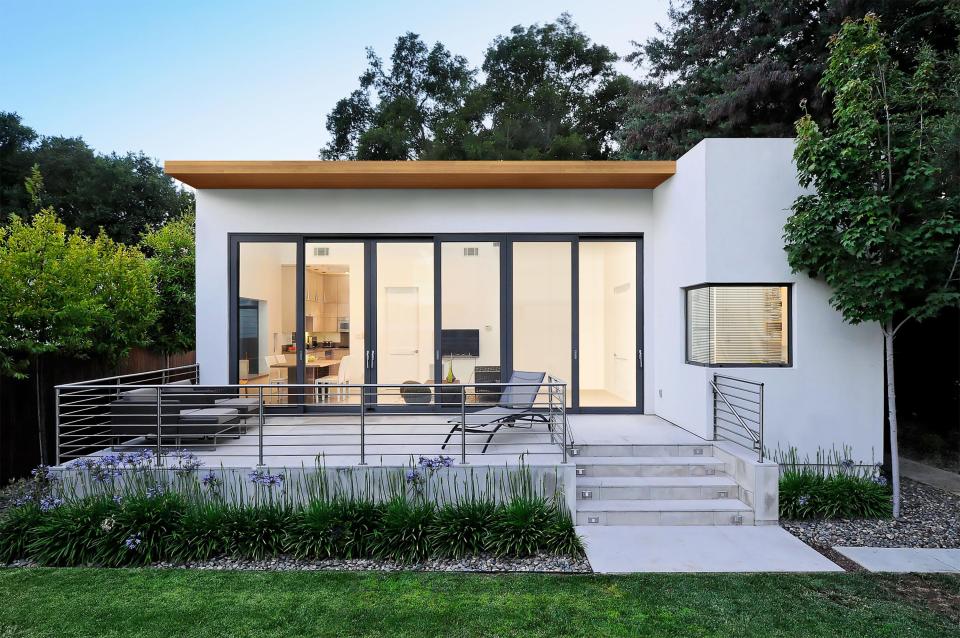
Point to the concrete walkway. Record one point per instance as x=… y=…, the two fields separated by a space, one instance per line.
x=715 y=548
x=929 y=475
x=903 y=559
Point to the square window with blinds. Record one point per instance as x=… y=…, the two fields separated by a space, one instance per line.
x=731 y=325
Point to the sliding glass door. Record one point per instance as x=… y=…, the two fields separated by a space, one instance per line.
x=542 y=304
x=266 y=318
x=608 y=353
x=404 y=316
x=466 y=309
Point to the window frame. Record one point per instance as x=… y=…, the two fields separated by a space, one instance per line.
x=686 y=323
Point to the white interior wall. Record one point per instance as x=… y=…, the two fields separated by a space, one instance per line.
x=470 y=295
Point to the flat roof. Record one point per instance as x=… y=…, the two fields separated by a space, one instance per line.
x=422 y=174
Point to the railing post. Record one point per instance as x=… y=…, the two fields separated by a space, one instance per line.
x=463 y=424
x=260 y=422
x=761 y=423
x=363 y=424
x=159 y=430
x=56 y=453
x=563 y=417
x=714 y=388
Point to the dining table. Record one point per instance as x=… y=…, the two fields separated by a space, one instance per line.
x=314 y=369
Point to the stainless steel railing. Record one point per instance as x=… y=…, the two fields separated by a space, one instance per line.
x=738 y=411
x=281 y=424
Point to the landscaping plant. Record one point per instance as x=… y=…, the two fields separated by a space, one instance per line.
x=134 y=509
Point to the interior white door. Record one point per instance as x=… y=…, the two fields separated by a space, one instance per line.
x=400 y=350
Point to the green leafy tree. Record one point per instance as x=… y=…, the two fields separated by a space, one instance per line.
x=63 y=294
x=883 y=226
x=123 y=194
x=548 y=93
x=171 y=251
x=414 y=98
x=740 y=68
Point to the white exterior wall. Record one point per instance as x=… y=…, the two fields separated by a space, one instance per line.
x=719 y=219
x=333 y=212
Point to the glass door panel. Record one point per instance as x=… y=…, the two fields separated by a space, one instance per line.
x=608 y=357
x=470 y=316
x=543 y=309
x=404 y=316
x=267 y=318
x=333 y=320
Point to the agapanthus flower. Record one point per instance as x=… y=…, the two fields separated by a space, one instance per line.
x=107 y=524
x=261 y=477
x=847 y=464
x=413 y=476
x=880 y=479
x=803 y=500
x=48 y=503
x=211 y=481
x=133 y=542
x=155 y=491
x=117 y=499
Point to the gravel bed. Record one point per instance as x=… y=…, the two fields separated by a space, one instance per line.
x=538 y=563
x=929 y=517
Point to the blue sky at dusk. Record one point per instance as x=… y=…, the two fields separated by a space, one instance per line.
x=239 y=79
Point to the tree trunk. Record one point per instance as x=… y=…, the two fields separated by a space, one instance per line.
x=38 y=396
x=888 y=334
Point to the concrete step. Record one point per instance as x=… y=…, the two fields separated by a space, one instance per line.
x=648 y=466
x=727 y=511
x=590 y=450
x=656 y=487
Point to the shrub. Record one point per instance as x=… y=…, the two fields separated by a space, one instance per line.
x=255 y=532
x=519 y=527
x=16 y=531
x=560 y=536
x=404 y=531
x=143 y=529
x=459 y=530
x=200 y=535
x=71 y=535
x=807 y=494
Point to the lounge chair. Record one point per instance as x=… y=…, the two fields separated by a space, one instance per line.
x=515 y=405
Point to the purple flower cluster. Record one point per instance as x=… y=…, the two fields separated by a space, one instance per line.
x=261 y=477
x=435 y=463
x=43 y=476
x=186 y=462
x=48 y=503
x=211 y=481
x=106 y=467
x=880 y=479
x=133 y=542
x=413 y=477
x=803 y=500
x=155 y=491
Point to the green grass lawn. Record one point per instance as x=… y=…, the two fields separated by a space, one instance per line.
x=131 y=602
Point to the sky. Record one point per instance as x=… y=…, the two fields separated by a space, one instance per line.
x=230 y=80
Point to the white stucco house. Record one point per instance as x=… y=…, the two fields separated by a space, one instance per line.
x=648 y=300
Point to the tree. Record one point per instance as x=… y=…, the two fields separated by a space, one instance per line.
x=548 y=93
x=883 y=227
x=64 y=294
x=171 y=254
x=122 y=194
x=740 y=68
x=420 y=90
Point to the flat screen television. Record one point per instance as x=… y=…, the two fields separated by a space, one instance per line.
x=460 y=343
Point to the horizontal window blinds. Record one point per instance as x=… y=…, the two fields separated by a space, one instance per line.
x=731 y=325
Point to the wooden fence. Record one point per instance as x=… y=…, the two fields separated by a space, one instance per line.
x=19 y=438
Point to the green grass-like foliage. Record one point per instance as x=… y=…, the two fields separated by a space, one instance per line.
x=807 y=495
x=148 y=519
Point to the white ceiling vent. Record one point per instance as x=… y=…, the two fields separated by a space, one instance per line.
x=471 y=251
x=321 y=251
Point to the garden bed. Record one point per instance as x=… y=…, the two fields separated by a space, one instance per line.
x=929 y=518
x=117 y=511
